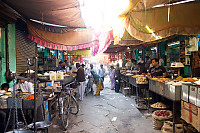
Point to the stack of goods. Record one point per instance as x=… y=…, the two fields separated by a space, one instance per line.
x=159 y=117
x=159 y=105
x=141 y=79
x=168 y=127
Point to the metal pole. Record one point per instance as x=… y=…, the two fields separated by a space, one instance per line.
x=35 y=85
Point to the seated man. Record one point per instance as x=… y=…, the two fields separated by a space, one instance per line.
x=156 y=70
x=23 y=86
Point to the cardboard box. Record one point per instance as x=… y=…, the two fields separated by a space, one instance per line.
x=191 y=114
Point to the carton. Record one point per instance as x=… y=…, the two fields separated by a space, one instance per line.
x=191 y=114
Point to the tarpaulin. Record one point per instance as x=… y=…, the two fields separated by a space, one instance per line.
x=105 y=40
x=60 y=12
x=69 y=38
x=79 y=52
x=154 y=24
x=62 y=47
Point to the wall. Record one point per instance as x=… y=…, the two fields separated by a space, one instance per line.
x=12 y=48
x=3 y=56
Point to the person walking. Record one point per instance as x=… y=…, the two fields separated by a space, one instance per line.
x=117 y=78
x=102 y=72
x=112 y=77
x=81 y=79
x=98 y=81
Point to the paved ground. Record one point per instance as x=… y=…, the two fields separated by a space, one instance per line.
x=109 y=113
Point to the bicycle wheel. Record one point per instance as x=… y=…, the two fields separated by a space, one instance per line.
x=65 y=112
x=74 y=107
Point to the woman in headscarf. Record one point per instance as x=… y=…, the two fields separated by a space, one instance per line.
x=98 y=81
x=112 y=77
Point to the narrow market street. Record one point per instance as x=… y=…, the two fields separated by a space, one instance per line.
x=109 y=113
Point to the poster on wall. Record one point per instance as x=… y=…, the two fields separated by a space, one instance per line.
x=193 y=41
x=187 y=61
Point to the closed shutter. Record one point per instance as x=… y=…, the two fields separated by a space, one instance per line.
x=25 y=48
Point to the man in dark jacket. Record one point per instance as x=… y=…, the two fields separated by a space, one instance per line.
x=81 y=79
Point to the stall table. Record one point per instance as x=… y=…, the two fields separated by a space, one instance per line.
x=132 y=81
x=170 y=92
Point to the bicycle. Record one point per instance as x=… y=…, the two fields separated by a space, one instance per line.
x=67 y=104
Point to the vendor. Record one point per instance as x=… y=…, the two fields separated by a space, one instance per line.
x=23 y=86
x=156 y=70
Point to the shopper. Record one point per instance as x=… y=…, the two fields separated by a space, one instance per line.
x=81 y=80
x=112 y=77
x=90 y=77
x=156 y=70
x=134 y=65
x=102 y=72
x=117 y=78
x=148 y=62
x=67 y=67
x=98 y=81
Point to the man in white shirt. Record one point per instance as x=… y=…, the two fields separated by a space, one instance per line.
x=23 y=86
x=67 y=67
x=101 y=72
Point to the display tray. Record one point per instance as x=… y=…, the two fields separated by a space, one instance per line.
x=141 y=106
x=159 y=108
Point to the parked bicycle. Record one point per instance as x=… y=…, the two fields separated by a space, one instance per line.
x=67 y=104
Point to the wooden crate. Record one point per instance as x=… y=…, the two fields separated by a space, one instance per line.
x=191 y=114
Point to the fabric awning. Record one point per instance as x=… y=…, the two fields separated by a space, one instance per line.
x=79 y=52
x=152 y=24
x=68 y=38
x=61 y=46
x=60 y=12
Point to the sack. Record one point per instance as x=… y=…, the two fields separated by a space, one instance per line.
x=162 y=118
x=159 y=120
x=168 y=127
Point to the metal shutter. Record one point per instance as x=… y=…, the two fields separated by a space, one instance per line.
x=25 y=48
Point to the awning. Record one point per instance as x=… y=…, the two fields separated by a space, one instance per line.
x=60 y=12
x=62 y=47
x=153 y=24
x=68 y=38
x=79 y=52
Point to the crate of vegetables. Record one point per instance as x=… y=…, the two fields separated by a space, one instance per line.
x=159 y=117
x=28 y=101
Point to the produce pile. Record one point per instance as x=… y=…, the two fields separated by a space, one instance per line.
x=162 y=113
x=159 y=105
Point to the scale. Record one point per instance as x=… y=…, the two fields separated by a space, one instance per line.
x=176 y=67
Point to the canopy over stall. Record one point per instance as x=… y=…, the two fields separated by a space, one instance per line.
x=149 y=20
x=62 y=12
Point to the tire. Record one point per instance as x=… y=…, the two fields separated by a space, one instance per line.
x=65 y=112
x=74 y=106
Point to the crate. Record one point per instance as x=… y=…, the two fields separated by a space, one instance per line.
x=193 y=94
x=185 y=92
x=125 y=91
x=191 y=114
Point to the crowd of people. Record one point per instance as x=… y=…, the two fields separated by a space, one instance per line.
x=153 y=67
